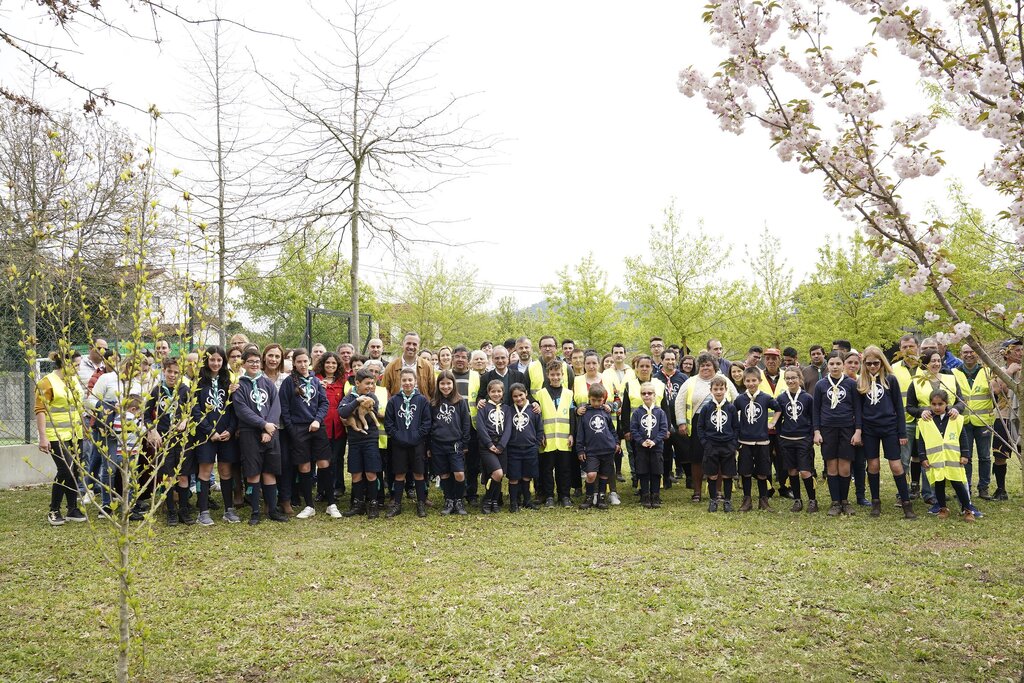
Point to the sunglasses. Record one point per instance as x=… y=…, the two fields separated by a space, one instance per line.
x=872 y=362
x=647 y=393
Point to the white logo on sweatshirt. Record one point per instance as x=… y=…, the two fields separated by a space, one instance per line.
x=795 y=409
x=445 y=412
x=597 y=424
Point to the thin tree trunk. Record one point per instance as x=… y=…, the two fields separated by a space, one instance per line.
x=353 y=323
x=124 y=631
x=221 y=241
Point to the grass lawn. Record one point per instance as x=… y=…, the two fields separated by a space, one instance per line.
x=556 y=595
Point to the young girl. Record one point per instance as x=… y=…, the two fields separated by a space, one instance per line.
x=165 y=418
x=58 y=410
x=885 y=426
x=327 y=369
x=493 y=429
x=449 y=442
x=214 y=433
x=939 y=441
x=794 y=427
x=736 y=375
x=1003 y=435
x=303 y=411
x=526 y=438
x=648 y=427
x=837 y=429
x=851 y=367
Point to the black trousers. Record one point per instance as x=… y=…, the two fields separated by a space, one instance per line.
x=472 y=466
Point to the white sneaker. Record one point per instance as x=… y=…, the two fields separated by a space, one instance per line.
x=306 y=513
x=215 y=486
x=86 y=498
x=333 y=511
x=613 y=498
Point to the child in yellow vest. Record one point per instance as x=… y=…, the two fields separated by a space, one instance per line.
x=939 y=441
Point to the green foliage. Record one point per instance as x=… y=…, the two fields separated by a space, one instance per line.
x=581 y=306
x=304 y=276
x=852 y=295
x=677 y=288
x=768 y=299
x=441 y=302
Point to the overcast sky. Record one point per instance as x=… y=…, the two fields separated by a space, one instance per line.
x=596 y=138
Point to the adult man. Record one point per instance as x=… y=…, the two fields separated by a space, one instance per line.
x=375 y=349
x=949 y=361
x=478 y=360
x=906 y=370
x=716 y=349
x=753 y=358
x=502 y=372
x=973 y=379
x=843 y=345
x=657 y=345
x=523 y=349
x=536 y=372
x=814 y=372
x=672 y=379
x=773 y=385
x=568 y=345
x=345 y=351
x=614 y=380
x=789 y=358
x=92 y=365
x=410 y=359
x=317 y=351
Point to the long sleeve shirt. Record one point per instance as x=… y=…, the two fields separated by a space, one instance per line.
x=595 y=433
x=348 y=406
x=718 y=423
x=450 y=423
x=256 y=402
x=649 y=424
x=308 y=405
x=494 y=426
x=882 y=407
x=796 y=415
x=845 y=412
x=407 y=418
x=753 y=416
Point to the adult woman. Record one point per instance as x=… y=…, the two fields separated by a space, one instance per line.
x=234 y=363
x=273 y=364
x=444 y=359
x=687 y=365
x=736 y=375
x=59 y=424
x=694 y=392
x=607 y=361
x=885 y=426
x=327 y=370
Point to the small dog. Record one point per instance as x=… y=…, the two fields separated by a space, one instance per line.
x=364 y=410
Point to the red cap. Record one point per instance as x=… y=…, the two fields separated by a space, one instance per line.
x=772 y=352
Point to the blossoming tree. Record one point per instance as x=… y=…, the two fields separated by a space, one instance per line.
x=822 y=112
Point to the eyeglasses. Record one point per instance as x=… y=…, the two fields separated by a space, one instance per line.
x=872 y=362
x=253 y=361
x=647 y=393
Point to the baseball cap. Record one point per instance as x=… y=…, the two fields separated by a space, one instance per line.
x=772 y=352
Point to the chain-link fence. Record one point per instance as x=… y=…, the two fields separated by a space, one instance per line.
x=330 y=327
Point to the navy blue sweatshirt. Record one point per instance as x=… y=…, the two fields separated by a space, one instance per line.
x=162 y=410
x=882 y=409
x=348 y=406
x=753 y=420
x=847 y=410
x=407 y=418
x=311 y=405
x=494 y=426
x=595 y=434
x=212 y=413
x=526 y=431
x=796 y=420
x=450 y=424
x=256 y=403
x=723 y=432
x=641 y=428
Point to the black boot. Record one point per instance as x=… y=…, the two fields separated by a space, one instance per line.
x=184 y=511
x=358 y=508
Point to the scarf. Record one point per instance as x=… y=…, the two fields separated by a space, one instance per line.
x=752 y=406
x=835 y=391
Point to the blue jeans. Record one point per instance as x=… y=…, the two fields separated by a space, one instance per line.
x=905 y=452
x=975 y=438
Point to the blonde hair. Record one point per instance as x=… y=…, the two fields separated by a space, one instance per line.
x=864 y=380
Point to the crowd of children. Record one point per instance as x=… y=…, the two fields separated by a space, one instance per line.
x=275 y=422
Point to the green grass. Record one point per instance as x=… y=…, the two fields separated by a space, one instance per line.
x=556 y=595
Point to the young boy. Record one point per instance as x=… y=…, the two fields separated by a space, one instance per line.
x=754 y=407
x=939 y=441
x=364 y=460
x=648 y=428
x=559 y=421
x=837 y=424
x=526 y=438
x=258 y=410
x=598 y=444
x=407 y=423
x=717 y=430
x=164 y=414
x=795 y=430
x=493 y=429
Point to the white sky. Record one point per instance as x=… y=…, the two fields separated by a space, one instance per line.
x=597 y=138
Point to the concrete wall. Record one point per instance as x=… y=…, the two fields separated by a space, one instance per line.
x=14 y=471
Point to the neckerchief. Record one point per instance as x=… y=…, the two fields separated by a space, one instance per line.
x=752 y=411
x=718 y=414
x=648 y=421
x=497 y=417
x=835 y=390
x=407 y=407
x=521 y=419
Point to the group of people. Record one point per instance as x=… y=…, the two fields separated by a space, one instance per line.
x=558 y=427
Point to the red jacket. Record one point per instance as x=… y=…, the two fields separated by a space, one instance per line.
x=333 y=424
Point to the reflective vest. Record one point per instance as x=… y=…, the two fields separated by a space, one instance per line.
x=580 y=390
x=942 y=451
x=538 y=374
x=904 y=377
x=635 y=401
x=555 y=420
x=474 y=392
x=64 y=419
x=779 y=388
x=924 y=388
x=978 y=397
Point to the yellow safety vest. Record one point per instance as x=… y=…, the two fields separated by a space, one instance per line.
x=474 y=393
x=948 y=383
x=538 y=374
x=580 y=391
x=767 y=388
x=633 y=387
x=978 y=397
x=555 y=420
x=942 y=451
x=64 y=421
x=904 y=378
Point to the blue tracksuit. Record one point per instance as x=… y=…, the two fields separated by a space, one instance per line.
x=407 y=418
x=450 y=424
x=595 y=434
x=256 y=402
x=309 y=405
